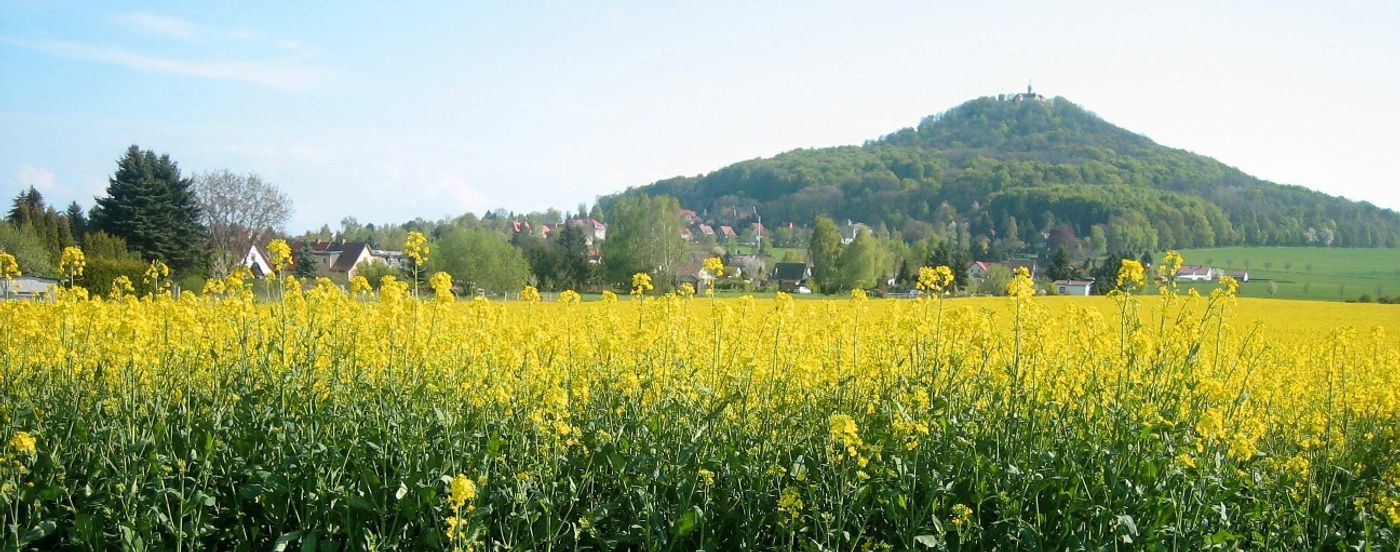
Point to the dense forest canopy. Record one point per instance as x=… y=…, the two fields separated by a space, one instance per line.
x=999 y=164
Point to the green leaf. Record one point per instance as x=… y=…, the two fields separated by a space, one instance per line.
x=931 y=541
x=281 y=543
x=687 y=523
x=38 y=532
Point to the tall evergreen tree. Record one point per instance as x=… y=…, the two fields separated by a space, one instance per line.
x=150 y=206
x=26 y=207
x=304 y=261
x=77 y=221
x=1060 y=267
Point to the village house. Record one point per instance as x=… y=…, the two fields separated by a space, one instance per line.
x=1074 y=287
x=693 y=272
x=791 y=276
x=257 y=261
x=1196 y=273
x=352 y=257
x=594 y=231
x=977 y=271
x=752 y=265
x=727 y=233
x=850 y=230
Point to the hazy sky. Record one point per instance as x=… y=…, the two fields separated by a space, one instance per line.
x=388 y=113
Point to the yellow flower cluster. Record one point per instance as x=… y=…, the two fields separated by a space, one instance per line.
x=641 y=283
x=1021 y=285
x=415 y=247
x=1131 y=275
x=71 y=262
x=714 y=266
x=23 y=443
x=280 y=253
x=441 y=283
x=772 y=404
x=9 y=268
x=934 y=279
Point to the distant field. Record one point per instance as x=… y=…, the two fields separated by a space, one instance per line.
x=1330 y=273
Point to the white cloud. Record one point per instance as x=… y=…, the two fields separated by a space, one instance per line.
x=276 y=74
x=38 y=177
x=172 y=27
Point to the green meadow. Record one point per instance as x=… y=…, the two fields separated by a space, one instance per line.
x=1326 y=273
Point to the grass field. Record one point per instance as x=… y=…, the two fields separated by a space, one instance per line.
x=1330 y=273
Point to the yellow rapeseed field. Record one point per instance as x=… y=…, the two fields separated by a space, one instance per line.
x=326 y=421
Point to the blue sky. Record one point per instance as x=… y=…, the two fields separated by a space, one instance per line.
x=387 y=113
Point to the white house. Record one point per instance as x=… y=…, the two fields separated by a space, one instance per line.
x=593 y=230
x=1074 y=287
x=1196 y=273
x=256 y=261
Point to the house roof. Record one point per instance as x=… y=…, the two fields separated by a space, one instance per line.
x=349 y=255
x=707 y=230
x=789 y=271
x=1073 y=282
x=1193 y=270
x=726 y=230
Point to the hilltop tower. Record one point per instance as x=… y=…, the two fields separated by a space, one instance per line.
x=1029 y=95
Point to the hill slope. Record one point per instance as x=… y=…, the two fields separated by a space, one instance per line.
x=993 y=167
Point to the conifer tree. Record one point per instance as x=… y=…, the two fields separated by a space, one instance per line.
x=150 y=206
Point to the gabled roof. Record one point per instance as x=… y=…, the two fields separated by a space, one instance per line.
x=789 y=271
x=349 y=255
x=726 y=230
x=1193 y=270
x=1073 y=282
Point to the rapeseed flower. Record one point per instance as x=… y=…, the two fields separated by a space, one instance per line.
x=23 y=443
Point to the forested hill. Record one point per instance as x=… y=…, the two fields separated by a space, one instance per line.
x=1020 y=165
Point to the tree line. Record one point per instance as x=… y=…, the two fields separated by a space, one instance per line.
x=1040 y=164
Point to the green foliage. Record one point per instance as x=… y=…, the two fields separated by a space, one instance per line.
x=30 y=214
x=304 y=262
x=1060 y=267
x=861 y=263
x=643 y=236
x=102 y=245
x=824 y=248
x=998 y=276
x=374 y=272
x=77 y=220
x=480 y=258
x=1306 y=272
x=994 y=162
x=153 y=208
x=560 y=261
x=101 y=271
x=33 y=257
